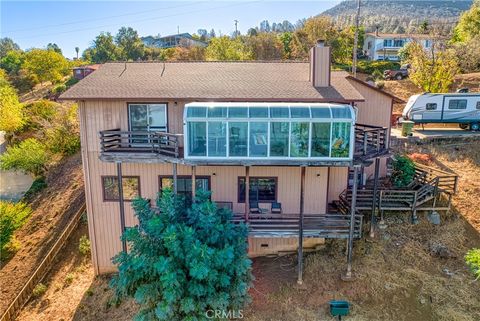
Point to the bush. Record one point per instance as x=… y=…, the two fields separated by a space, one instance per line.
x=41 y=109
x=12 y=217
x=38 y=184
x=184 y=262
x=59 y=89
x=39 y=290
x=403 y=171
x=473 y=261
x=69 y=278
x=64 y=137
x=71 y=81
x=29 y=156
x=84 y=245
x=369 y=67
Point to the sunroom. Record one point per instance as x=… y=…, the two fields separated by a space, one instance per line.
x=271 y=132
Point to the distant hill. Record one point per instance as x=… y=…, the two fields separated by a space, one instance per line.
x=399 y=16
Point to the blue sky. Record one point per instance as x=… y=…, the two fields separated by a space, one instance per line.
x=76 y=23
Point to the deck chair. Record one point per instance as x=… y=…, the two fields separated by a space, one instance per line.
x=276 y=208
x=254 y=209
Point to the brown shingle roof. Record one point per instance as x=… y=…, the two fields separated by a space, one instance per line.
x=226 y=81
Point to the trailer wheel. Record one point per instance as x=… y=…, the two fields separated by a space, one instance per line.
x=475 y=126
x=463 y=126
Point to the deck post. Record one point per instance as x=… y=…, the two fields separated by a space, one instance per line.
x=194 y=186
x=374 y=200
x=174 y=165
x=247 y=192
x=121 y=204
x=348 y=274
x=300 y=227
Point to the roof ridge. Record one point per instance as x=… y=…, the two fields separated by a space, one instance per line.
x=206 y=61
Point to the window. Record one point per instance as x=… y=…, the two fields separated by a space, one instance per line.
x=299 y=140
x=197 y=136
x=431 y=106
x=238 y=141
x=130 y=186
x=258 y=139
x=279 y=139
x=457 y=104
x=341 y=139
x=217 y=139
x=147 y=117
x=478 y=104
x=262 y=189
x=398 y=43
x=387 y=42
x=184 y=185
x=320 y=140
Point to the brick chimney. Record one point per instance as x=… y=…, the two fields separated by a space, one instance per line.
x=320 y=61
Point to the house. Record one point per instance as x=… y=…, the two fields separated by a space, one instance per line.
x=289 y=135
x=385 y=46
x=178 y=40
x=83 y=71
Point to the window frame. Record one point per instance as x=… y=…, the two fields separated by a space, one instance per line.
x=167 y=130
x=239 y=180
x=457 y=101
x=207 y=177
x=102 y=178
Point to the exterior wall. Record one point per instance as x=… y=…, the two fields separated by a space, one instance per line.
x=377 y=52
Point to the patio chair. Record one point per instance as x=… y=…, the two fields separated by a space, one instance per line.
x=254 y=209
x=276 y=208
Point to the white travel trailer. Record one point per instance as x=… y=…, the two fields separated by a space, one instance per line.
x=460 y=108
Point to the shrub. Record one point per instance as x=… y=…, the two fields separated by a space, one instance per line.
x=403 y=171
x=42 y=109
x=69 y=278
x=64 y=137
x=12 y=217
x=84 y=245
x=369 y=67
x=473 y=261
x=185 y=261
x=71 y=81
x=29 y=156
x=38 y=184
x=39 y=290
x=59 y=89
x=380 y=84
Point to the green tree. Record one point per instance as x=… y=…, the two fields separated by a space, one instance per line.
x=265 y=46
x=11 y=110
x=102 y=50
x=54 y=47
x=12 y=217
x=225 y=48
x=12 y=62
x=45 y=65
x=286 y=39
x=64 y=137
x=468 y=26
x=183 y=262
x=6 y=45
x=129 y=44
x=29 y=156
x=77 y=50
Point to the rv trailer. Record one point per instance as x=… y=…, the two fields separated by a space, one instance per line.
x=460 y=108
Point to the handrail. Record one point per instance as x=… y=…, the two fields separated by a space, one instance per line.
x=370 y=140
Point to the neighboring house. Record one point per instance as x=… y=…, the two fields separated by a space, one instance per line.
x=83 y=71
x=385 y=46
x=284 y=133
x=178 y=40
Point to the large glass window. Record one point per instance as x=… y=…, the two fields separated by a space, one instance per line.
x=184 y=185
x=258 y=139
x=340 y=140
x=278 y=112
x=130 y=187
x=320 y=140
x=262 y=189
x=238 y=112
x=197 y=138
x=217 y=139
x=279 y=139
x=217 y=112
x=457 y=104
x=238 y=138
x=299 y=140
x=144 y=117
x=300 y=112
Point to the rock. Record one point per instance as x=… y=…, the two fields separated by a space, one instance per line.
x=422 y=300
x=448 y=273
x=434 y=218
x=440 y=250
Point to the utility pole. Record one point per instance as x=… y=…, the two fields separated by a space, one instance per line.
x=236 y=29
x=355 y=41
x=178 y=30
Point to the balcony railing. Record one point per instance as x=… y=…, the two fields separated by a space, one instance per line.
x=118 y=141
x=370 y=141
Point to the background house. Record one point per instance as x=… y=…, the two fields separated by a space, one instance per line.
x=178 y=40
x=83 y=71
x=385 y=46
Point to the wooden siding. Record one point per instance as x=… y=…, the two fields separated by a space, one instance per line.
x=337 y=182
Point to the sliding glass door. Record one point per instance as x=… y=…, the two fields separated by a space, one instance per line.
x=146 y=117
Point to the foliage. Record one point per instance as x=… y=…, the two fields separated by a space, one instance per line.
x=45 y=65
x=29 y=156
x=185 y=261
x=102 y=50
x=265 y=46
x=39 y=290
x=193 y=53
x=403 y=171
x=12 y=217
x=69 y=278
x=64 y=137
x=432 y=71
x=225 y=48
x=129 y=44
x=71 y=81
x=59 y=89
x=84 y=245
x=42 y=109
x=473 y=261
x=370 y=67
x=11 y=110
x=12 y=62
x=54 y=47
x=286 y=39
x=38 y=184
x=468 y=26
x=468 y=55
x=6 y=45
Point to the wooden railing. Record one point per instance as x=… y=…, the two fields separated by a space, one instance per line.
x=118 y=141
x=314 y=225
x=370 y=140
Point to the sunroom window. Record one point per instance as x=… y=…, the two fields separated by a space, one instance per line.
x=269 y=131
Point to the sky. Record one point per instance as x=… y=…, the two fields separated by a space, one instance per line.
x=72 y=24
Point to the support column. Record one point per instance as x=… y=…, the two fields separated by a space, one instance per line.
x=194 y=186
x=175 y=181
x=348 y=274
x=300 y=227
x=247 y=192
x=121 y=204
x=374 y=198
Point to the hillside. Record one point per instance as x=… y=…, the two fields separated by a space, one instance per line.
x=399 y=16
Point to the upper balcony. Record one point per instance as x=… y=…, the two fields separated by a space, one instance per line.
x=254 y=134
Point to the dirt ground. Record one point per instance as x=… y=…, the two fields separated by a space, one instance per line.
x=52 y=210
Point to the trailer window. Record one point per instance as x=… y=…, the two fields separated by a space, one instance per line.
x=431 y=106
x=457 y=104
x=478 y=104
